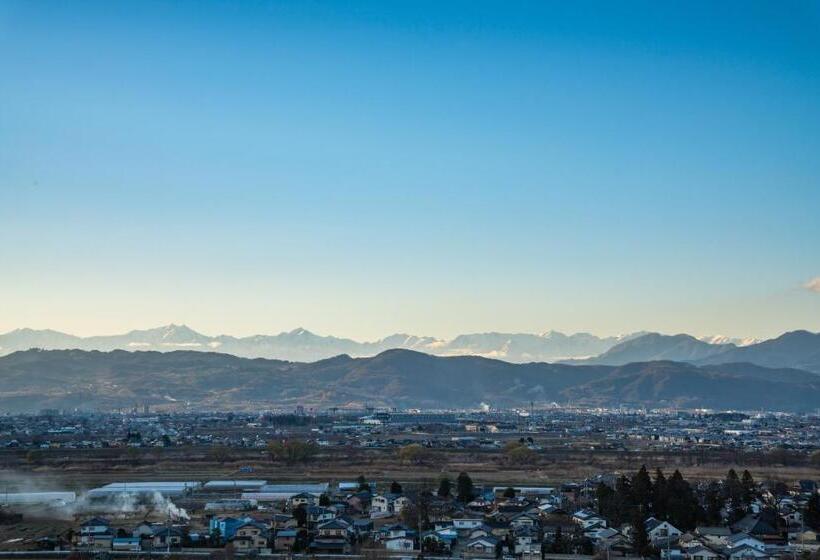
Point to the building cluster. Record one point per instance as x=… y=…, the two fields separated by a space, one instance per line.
x=455 y=519
x=556 y=428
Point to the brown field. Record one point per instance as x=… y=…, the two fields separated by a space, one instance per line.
x=82 y=469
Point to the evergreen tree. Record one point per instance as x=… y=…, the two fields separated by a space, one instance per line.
x=300 y=515
x=324 y=500
x=395 y=488
x=623 y=504
x=713 y=504
x=605 y=497
x=736 y=510
x=683 y=506
x=731 y=486
x=509 y=492
x=363 y=484
x=642 y=489
x=640 y=539
x=464 y=486
x=660 y=497
x=749 y=488
x=811 y=517
x=733 y=492
x=444 y=487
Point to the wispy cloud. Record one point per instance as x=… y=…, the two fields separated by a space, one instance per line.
x=813 y=285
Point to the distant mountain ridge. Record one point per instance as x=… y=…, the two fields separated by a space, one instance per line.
x=67 y=379
x=303 y=345
x=796 y=349
x=654 y=346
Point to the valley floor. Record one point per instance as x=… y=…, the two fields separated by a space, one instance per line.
x=82 y=469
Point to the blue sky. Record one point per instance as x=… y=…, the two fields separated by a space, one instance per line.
x=427 y=167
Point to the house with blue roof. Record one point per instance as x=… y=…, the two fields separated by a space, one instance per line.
x=227 y=526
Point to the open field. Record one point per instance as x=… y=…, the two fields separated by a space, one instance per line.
x=82 y=469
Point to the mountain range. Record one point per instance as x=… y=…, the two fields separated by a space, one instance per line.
x=68 y=379
x=796 y=349
x=303 y=345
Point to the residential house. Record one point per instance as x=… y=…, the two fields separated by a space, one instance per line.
x=393 y=531
x=302 y=499
x=332 y=537
x=713 y=533
x=362 y=527
x=757 y=526
x=738 y=540
x=385 y=505
x=526 y=540
x=251 y=535
x=330 y=546
x=467 y=523
x=129 y=544
x=226 y=526
x=586 y=518
x=96 y=533
x=661 y=531
x=525 y=519
x=481 y=547
x=317 y=515
x=746 y=552
x=701 y=552
x=285 y=539
x=482 y=530
x=165 y=537
x=402 y=544
x=335 y=528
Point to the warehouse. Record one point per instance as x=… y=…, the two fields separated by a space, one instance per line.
x=166 y=489
x=228 y=485
x=275 y=492
x=37 y=498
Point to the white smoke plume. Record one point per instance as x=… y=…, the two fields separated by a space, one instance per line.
x=48 y=502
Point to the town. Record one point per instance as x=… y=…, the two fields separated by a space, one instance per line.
x=556 y=427
x=469 y=484
x=642 y=514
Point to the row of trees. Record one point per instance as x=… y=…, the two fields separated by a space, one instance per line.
x=464 y=489
x=415 y=454
x=674 y=499
x=519 y=453
x=428 y=505
x=292 y=451
x=516 y=453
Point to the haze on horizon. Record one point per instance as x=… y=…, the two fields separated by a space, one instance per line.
x=423 y=167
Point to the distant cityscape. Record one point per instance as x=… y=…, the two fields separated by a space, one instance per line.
x=571 y=428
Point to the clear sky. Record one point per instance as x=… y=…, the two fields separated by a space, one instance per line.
x=362 y=168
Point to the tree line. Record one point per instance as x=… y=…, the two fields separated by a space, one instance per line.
x=674 y=499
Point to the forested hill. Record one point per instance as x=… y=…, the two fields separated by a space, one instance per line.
x=36 y=379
